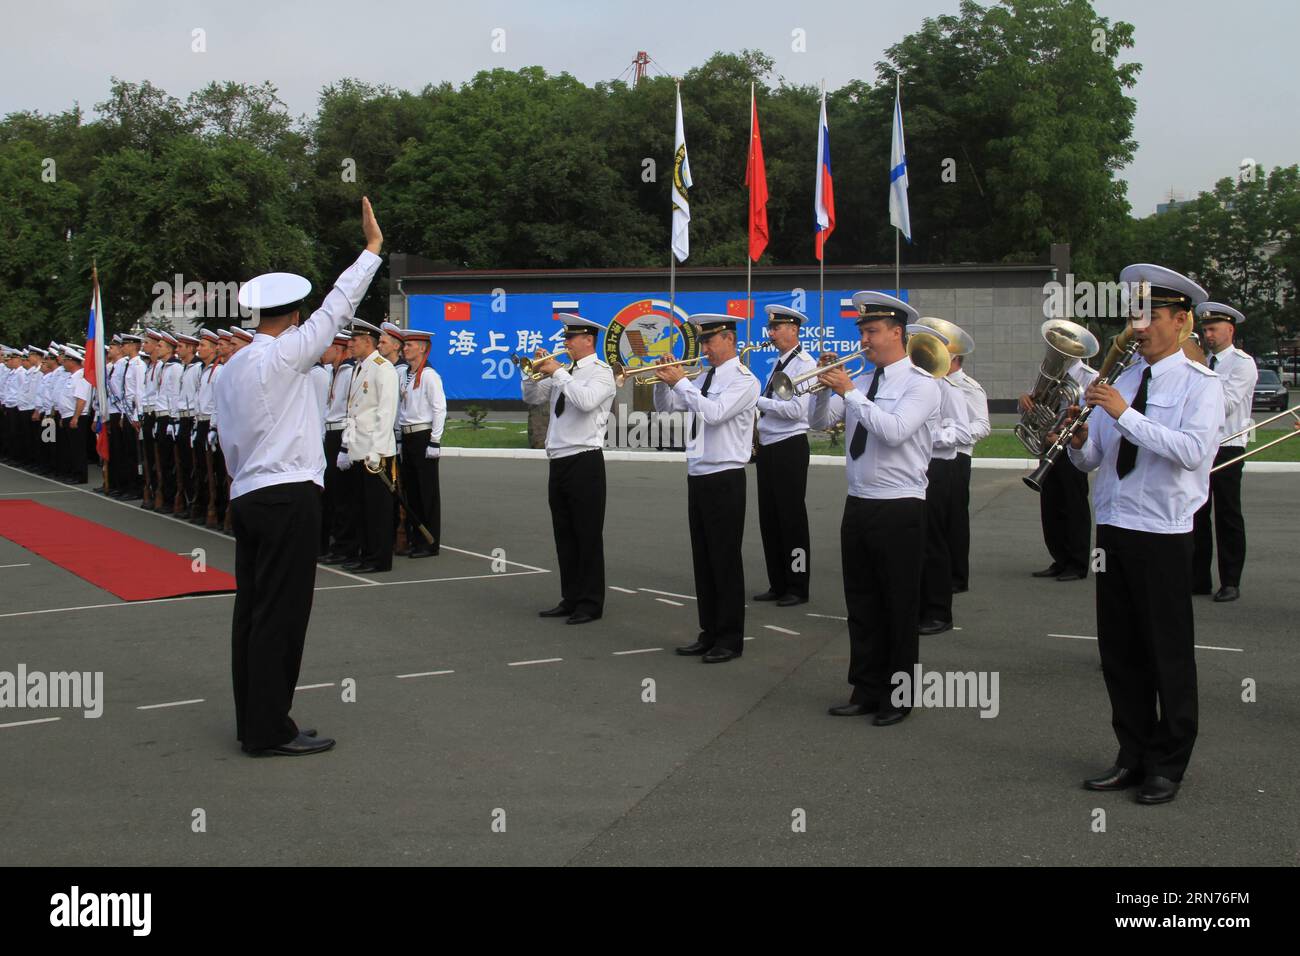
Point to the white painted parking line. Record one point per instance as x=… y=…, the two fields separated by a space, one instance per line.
x=27 y=565
x=174 y=703
x=27 y=723
x=749 y=638
x=314 y=686
x=828 y=617
x=1074 y=637
x=25 y=494
x=781 y=630
x=639 y=650
x=686 y=597
x=673 y=603
x=623 y=590
x=544 y=660
x=463 y=577
x=1199 y=647
x=489 y=557
x=424 y=674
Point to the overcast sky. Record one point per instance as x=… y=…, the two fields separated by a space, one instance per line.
x=1218 y=84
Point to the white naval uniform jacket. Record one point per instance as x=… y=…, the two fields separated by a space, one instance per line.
x=1176 y=438
x=950 y=424
x=777 y=419
x=1237 y=372
x=372 y=409
x=725 y=417
x=588 y=390
x=977 y=408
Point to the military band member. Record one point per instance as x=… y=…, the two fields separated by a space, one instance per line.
x=421 y=417
x=721 y=441
x=977 y=408
x=781 y=466
x=579 y=398
x=270 y=432
x=949 y=429
x=1220 y=517
x=342 y=487
x=886 y=415
x=368 y=445
x=1151 y=441
x=1063 y=503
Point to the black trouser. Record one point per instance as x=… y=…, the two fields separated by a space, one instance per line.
x=374 y=506
x=959 y=524
x=115 y=453
x=25 y=435
x=185 y=463
x=882 y=545
x=32 y=429
x=1067 y=515
x=221 y=487
x=715 y=508
x=338 y=533
x=936 y=569
x=147 y=452
x=423 y=495
x=1146 y=637
x=73 y=442
x=130 y=442
x=1226 y=528
x=167 y=462
x=782 y=470
x=199 y=482
x=49 y=438
x=275 y=572
x=575 y=490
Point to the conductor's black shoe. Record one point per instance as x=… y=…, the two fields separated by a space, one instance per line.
x=790 y=600
x=852 y=710
x=1116 y=778
x=307 y=733
x=768 y=595
x=300 y=746
x=422 y=553
x=1050 y=571
x=335 y=559
x=1071 y=574
x=582 y=617
x=720 y=655
x=887 y=718
x=692 y=650
x=1156 y=789
x=1227 y=593
x=352 y=564
x=959 y=589
x=935 y=627
x=558 y=611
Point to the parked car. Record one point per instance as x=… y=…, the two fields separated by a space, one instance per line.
x=1270 y=393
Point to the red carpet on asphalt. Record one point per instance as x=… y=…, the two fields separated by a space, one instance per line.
x=116 y=562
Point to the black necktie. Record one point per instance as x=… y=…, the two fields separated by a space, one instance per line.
x=559 y=405
x=695 y=422
x=859 y=443
x=1128 y=451
x=780 y=367
x=1214 y=360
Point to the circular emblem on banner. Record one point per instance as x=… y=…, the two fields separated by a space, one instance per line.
x=642 y=331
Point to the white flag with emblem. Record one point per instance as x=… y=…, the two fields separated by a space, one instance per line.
x=681 y=183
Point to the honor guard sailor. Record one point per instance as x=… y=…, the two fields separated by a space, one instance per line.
x=341 y=486
x=421 y=417
x=580 y=397
x=721 y=438
x=1219 y=520
x=886 y=415
x=270 y=434
x=1151 y=440
x=781 y=466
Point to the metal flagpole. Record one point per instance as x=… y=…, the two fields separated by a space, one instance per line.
x=672 y=254
x=749 y=262
x=821 y=257
x=898 y=291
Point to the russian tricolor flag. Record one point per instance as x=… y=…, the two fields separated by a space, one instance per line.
x=95 y=367
x=847 y=311
x=824 y=200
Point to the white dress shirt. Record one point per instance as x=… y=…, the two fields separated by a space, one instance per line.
x=8 y=396
x=588 y=390
x=76 y=387
x=270 y=430
x=31 y=385
x=336 y=397
x=425 y=403
x=898 y=435
x=372 y=409
x=168 y=400
x=134 y=387
x=778 y=420
x=152 y=377
x=725 y=417
x=320 y=380
x=116 y=387
x=5 y=373
x=950 y=424
x=53 y=390
x=189 y=394
x=1238 y=374
x=206 y=403
x=977 y=409
x=1176 y=440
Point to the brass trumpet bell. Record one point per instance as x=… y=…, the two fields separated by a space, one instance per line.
x=928 y=350
x=623 y=374
x=528 y=366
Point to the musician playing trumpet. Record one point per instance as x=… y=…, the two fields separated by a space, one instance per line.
x=1152 y=453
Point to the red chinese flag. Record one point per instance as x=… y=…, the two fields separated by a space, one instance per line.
x=739 y=308
x=756 y=180
x=455 y=311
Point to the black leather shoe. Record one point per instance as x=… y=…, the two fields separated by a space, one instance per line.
x=935 y=627
x=1156 y=789
x=887 y=718
x=422 y=553
x=300 y=746
x=692 y=650
x=1228 y=593
x=336 y=559
x=790 y=600
x=307 y=733
x=558 y=611
x=401 y=552
x=1050 y=571
x=352 y=565
x=371 y=569
x=1116 y=778
x=959 y=589
x=582 y=617
x=720 y=655
x=1071 y=575
x=1202 y=591
x=768 y=595
x=852 y=710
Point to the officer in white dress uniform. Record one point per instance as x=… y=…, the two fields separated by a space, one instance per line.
x=342 y=488
x=723 y=402
x=1220 y=517
x=421 y=417
x=1151 y=440
x=579 y=398
x=977 y=408
x=886 y=414
x=270 y=434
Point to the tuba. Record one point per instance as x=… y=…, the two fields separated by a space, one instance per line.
x=1054 y=391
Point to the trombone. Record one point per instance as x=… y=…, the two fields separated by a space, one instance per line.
x=528 y=366
x=1293 y=411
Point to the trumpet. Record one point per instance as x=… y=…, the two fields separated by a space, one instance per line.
x=785 y=388
x=528 y=366
x=623 y=374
